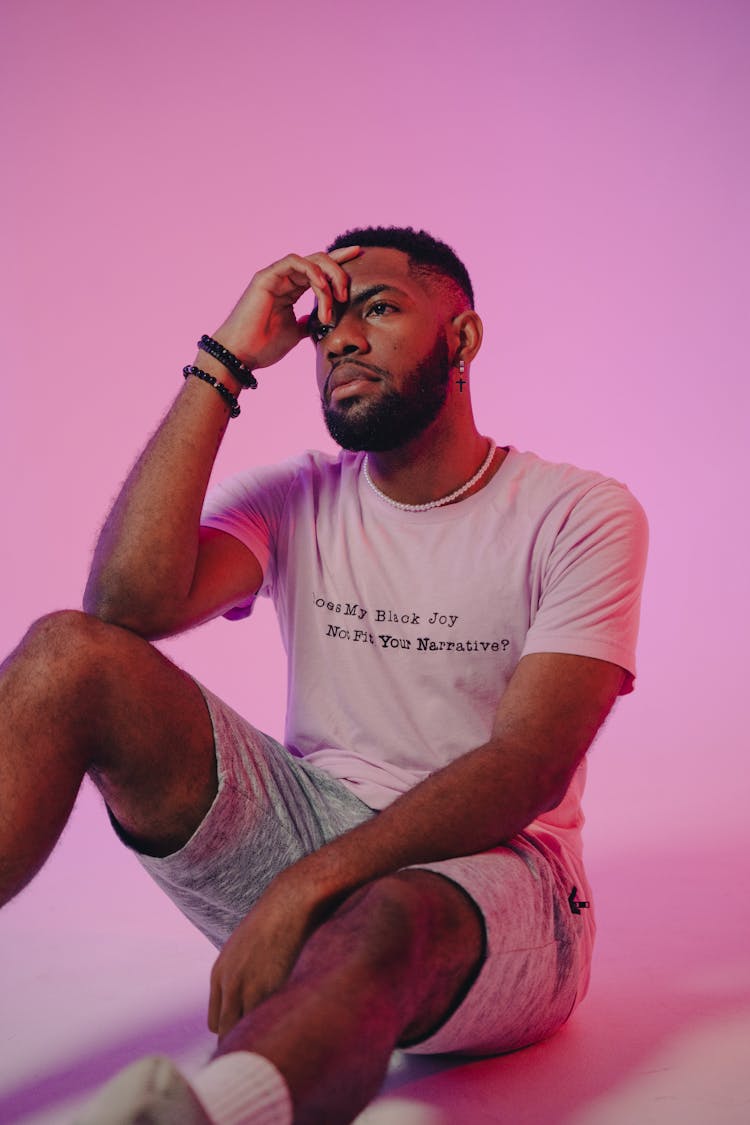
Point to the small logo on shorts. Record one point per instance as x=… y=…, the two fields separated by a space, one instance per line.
x=576 y=905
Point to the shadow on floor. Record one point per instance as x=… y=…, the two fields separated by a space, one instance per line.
x=671 y=961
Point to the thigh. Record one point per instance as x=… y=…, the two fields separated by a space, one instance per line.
x=535 y=967
x=81 y=695
x=152 y=752
x=270 y=810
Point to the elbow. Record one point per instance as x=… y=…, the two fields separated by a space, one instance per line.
x=556 y=788
x=103 y=600
x=96 y=602
x=117 y=606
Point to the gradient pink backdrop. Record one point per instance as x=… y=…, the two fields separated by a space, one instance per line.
x=588 y=159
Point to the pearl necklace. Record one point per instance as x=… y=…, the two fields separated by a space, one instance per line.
x=432 y=503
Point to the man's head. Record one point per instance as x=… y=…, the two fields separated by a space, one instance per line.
x=384 y=366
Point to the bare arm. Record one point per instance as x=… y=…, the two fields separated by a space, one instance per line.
x=545 y=723
x=154 y=570
x=546 y=720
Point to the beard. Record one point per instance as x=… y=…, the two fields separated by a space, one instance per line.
x=391 y=419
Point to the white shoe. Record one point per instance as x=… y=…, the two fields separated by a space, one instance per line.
x=148 y=1092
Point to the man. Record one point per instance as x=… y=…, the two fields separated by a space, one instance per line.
x=459 y=620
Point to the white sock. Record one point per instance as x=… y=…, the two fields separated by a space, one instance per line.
x=242 y=1088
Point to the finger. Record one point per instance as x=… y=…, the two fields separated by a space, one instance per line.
x=338 y=282
x=319 y=274
x=290 y=277
x=330 y=263
x=214 y=1005
x=345 y=253
x=231 y=1013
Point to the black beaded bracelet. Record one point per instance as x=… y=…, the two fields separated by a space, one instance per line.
x=240 y=370
x=226 y=394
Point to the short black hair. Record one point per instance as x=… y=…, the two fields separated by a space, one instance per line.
x=425 y=253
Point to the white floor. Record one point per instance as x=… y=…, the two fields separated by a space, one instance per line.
x=97 y=969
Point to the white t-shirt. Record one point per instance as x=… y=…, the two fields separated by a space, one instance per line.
x=402 y=629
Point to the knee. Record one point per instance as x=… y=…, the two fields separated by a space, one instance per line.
x=62 y=633
x=66 y=647
x=385 y=922
x=365 y=944
x=411 y=918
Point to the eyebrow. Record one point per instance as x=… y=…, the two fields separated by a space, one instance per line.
x=364 y=295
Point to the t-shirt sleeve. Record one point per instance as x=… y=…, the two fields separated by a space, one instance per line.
x=250 y=507
x=590 y=580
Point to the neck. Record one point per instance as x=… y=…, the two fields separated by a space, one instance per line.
x=432 y=465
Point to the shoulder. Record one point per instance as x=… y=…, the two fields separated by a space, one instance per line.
x=274 y=485
x=559 y=489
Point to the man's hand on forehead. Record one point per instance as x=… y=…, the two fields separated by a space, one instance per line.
x=330 y=283
x=263 y=325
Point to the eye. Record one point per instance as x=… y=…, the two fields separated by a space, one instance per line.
x=381 y=308
x=317 y=331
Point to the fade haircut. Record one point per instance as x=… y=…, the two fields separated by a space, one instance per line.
x=427 y=255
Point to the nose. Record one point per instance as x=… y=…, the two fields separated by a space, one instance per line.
x=345 y=338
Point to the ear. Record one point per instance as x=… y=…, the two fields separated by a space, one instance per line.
x=465 y=335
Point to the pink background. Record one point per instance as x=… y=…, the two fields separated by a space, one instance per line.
x=587 y=159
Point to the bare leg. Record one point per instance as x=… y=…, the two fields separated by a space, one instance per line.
x=385 y=968
x=80 y=696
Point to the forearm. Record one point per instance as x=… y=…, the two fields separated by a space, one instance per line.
x=477 y=802
x=145 y=559
x=545 y=722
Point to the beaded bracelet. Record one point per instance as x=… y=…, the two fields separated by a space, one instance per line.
x=226 y=394
x=240 y=370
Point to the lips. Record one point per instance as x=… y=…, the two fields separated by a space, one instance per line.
x=350 y=371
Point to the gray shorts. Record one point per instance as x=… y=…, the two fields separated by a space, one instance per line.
x=272 y=808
